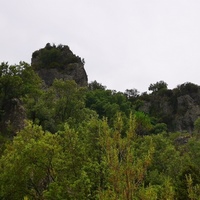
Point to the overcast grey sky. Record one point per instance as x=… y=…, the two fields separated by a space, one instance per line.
x=125 y=43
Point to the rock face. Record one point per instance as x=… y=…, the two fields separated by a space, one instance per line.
x=59 y=62
x=74 y=71
x=190 y=112
x=13 y=119
x=178 y=108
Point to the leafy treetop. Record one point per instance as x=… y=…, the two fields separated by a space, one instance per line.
x=52 y=56
x=157 y=86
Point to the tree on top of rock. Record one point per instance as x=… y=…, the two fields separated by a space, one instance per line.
x=52 y=56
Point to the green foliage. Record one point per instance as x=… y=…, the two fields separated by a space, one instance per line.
x=159 y=128
x=197 y=125
x=93 y=143
x=187 y=88
x=107 y=103
x=193 y=191
x=142 y=123
x=17 y=80
x=40 y=165
x=63 y=102
x=16 y=83
x=94 y=85
x=125 y=171
x=50 y=57
x=158 y=86
x=132 y=93
x=53 y=56
x=10 y=83
x=95 y=162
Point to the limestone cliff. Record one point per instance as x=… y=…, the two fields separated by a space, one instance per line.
x=178 y=108
x=59 y=62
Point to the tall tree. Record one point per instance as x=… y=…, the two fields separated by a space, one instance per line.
x=125 y=171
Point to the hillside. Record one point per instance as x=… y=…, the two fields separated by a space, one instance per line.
x=178 y=108
x=64 y=138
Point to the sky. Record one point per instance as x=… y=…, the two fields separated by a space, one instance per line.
x=126 y=44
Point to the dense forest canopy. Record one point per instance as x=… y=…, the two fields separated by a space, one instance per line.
x=67 y=141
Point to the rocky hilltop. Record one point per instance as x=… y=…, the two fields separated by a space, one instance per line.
x=178 y=108
x=59 y=62
x=51 y=62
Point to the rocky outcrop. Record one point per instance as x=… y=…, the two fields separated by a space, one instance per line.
x=14 y=117
x=59 y=62
x=178 y=108
x=187 y=112
x=74 y=71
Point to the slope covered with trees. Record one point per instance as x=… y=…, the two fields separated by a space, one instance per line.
x=64 y=141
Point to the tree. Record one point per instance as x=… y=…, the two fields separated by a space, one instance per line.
x=16 y=83
x=68 y=101
x=157 y=86
x=26 y=165
x=125 y=171
x=11 y=83
x=143 y=124
x=187 y=88
x=52 y=56
x=94 y=85
x=107 y=103
x=131 y=93
x=197 y=125
x=63 y=102
x=17 y=80
x=193 y=190
x=41 y=165
x=159 y=128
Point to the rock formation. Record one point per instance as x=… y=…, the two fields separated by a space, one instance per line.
x=13 y=118
x=59 y=62
x=178 y=108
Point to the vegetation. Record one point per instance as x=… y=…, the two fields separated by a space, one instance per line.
x=93 y=143
x=53 y=56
